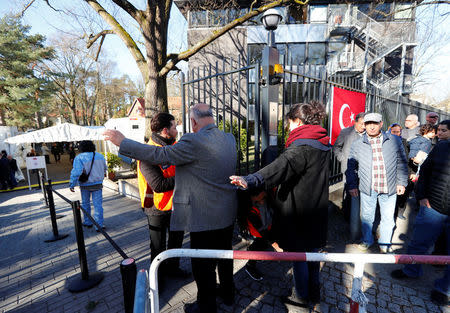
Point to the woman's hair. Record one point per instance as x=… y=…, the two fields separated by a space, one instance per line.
x=87 y=146
x=312 y=112
x=427 y=128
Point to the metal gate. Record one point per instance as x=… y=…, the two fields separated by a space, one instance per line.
x=233 y=91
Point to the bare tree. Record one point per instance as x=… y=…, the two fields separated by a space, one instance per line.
x=152 y=22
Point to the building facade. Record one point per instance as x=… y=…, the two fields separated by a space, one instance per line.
x=366 y=40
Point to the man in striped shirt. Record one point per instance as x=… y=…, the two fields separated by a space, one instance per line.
x=377 y=168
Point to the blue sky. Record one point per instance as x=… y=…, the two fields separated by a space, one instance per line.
x=46 y=21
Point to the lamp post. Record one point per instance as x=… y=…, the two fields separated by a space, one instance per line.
x=269 y=89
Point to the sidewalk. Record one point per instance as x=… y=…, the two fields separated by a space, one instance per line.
x=34 y=274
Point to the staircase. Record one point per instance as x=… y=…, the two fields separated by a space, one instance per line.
x=382 y=48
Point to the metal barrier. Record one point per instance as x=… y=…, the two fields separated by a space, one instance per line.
x=358 y=300
x=48 y=197
x=141 y=296
x=89 y=280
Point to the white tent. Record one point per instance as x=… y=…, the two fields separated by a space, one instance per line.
x=63 y=132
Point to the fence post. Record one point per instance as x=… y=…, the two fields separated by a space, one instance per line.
x=51 y=205
x=87 y=281
x=128 y=271
x=43 y=188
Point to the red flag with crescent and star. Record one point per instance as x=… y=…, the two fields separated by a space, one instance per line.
x=346 y=105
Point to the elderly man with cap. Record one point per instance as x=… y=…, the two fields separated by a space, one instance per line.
x=432 y=118
x=377 y=168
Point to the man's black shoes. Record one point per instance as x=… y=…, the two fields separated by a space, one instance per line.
x=87 y=225
x=399 y=274
x=439 y=298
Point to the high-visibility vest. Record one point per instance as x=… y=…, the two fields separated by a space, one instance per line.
x=161 y=200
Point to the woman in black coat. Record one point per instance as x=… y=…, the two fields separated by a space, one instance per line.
x=301 y=176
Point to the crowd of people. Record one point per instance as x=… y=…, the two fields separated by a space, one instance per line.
x=285 y=204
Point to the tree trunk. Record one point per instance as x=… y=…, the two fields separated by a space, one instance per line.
x=155 y=100
x=2 y=118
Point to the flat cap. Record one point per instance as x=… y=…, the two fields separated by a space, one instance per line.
x=373 y=117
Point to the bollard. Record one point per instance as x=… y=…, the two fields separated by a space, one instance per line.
x=44 y=189
x=87 y=280
x=128 y=271
x=51 y=205
x=141 y=297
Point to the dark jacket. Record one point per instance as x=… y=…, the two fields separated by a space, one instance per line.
x=434 y=178
x=155 y=178
x=4 y=167
x=13 y=165
x=300 y=217
x=360 y=164
x=342 y=145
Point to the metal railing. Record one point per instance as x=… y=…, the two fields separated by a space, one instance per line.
x=233 y=92
x=89 y=280
x=358 y=299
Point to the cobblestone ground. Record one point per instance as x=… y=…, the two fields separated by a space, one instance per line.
x=34 y=275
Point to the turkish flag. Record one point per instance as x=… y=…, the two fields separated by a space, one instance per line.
x=346 y=105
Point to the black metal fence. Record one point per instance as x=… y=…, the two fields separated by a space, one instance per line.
x=233 y=91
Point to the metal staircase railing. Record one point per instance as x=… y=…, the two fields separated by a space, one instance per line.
x=379 y=44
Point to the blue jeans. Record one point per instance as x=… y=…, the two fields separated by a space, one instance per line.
x=355 y=219
x=387 y=223
x=97 y=201
x=428 y=226
x=306 y=278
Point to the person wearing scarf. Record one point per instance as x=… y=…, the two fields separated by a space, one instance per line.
x=301 y=176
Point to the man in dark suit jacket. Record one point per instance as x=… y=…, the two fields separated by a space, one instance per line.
x=204 y=203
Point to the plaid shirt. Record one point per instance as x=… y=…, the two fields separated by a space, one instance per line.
x=379 y=180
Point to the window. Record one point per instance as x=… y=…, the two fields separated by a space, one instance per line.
x=318 y=13
x=364 y=8
x=296 y=53
x=294 y=14
x=197 y=18
x=381 y=11
x=403 y=11
x=337 y=14
x=316 y=53
x=218 y=18
x=255 y=53
x=336 y=48
x=234 y=13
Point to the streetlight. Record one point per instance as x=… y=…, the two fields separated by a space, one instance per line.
x=270 y=20
x=269 y=89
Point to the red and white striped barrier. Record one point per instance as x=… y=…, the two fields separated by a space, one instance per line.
x=358 y=299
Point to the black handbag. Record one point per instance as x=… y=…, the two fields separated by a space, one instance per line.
x=84 y=177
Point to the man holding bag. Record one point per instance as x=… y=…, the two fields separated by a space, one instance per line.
x=89 y=169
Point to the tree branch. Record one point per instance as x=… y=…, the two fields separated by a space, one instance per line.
x=128 y=7
x=31 y=3
x=174 y=59
x=415 y=6
x=93 y=39
x=123 y=34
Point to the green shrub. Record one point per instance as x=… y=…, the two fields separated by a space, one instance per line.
x=242 y=147
x=112 y=161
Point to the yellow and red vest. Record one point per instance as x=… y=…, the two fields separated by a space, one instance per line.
x=161 y=200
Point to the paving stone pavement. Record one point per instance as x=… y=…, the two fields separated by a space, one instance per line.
x=34 y=275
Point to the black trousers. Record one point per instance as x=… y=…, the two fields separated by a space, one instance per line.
x=159 y=226
x=204 y=270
